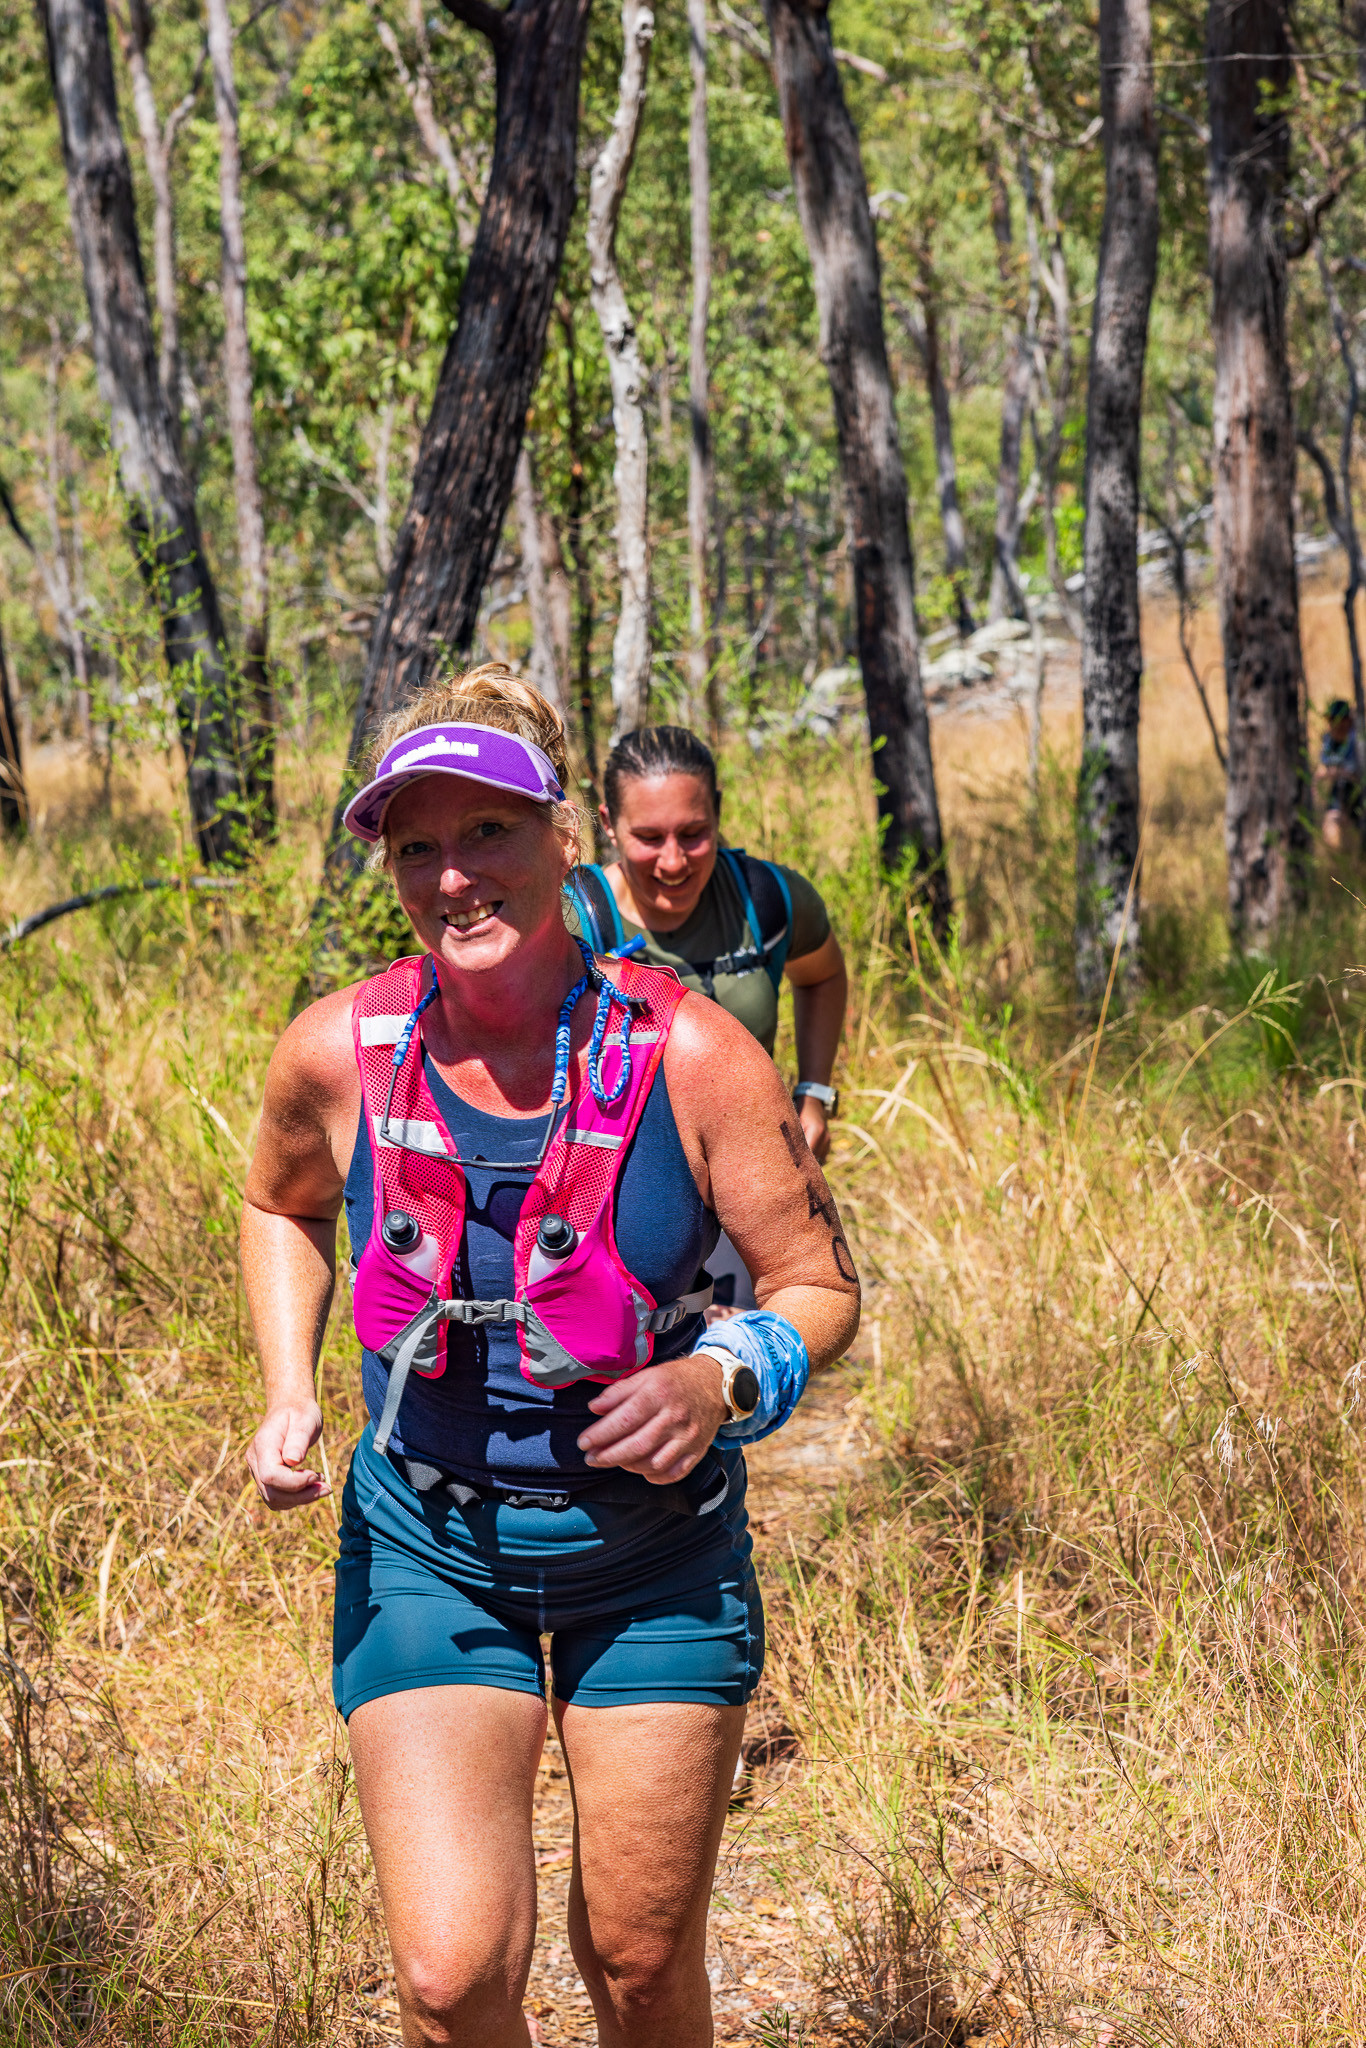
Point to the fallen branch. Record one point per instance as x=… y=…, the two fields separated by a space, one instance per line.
x=24 y=927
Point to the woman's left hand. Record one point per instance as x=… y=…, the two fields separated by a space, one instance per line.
x=658 y=1422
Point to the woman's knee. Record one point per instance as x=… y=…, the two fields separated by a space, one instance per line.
x=645 y=1977
x=462 y=2000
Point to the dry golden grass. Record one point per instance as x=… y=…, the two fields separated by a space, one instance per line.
x=1065 y=1690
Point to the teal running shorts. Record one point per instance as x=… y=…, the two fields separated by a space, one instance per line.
x=640 y=1603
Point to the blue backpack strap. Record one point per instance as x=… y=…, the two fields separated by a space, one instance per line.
x=771 y=928
x=590 y=892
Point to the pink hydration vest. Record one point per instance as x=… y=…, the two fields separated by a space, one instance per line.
x=580 y=1313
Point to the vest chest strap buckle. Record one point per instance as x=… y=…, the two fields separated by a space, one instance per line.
x=476 y=1313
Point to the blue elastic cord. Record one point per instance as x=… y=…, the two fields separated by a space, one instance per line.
x=562 y=1030
x=405 y=1036
x=608 y=993
x=774 y=1350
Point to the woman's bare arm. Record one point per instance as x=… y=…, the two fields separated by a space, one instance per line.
x=289 y=1232
x=820 y=996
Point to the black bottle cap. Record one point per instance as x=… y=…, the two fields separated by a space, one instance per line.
x=400 y=1230
x=556 y=1237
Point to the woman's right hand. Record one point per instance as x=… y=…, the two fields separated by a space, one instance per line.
x=275 y=1457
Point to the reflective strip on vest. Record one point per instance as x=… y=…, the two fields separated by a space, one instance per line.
x=380 y=1030
x=412 y=1134
x=606 y=1141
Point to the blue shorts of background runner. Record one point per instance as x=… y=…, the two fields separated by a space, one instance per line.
x=641 y=1604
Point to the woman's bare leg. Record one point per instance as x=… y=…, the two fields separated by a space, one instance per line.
x=651 y=1785
x=446 y=1777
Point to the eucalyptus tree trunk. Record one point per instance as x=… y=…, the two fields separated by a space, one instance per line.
x=158 y=494
x=54 y=567
x=1341 y=511
x=631 y=645
x=701 y=665
x=467 y=461
x=1248 y=67
x=158 y=144
x=251 y=525
x=924 y=332
x=1048 y=268
x=946 y=472
x=542 y=667
x=832 y=200
x=13 y=798
x=1111 y=649
x=1006 y=597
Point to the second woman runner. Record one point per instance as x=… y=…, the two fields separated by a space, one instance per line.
x=728 y=924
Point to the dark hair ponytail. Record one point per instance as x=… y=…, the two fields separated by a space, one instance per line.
x=658 y=750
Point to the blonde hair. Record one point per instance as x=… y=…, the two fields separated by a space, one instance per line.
x=489 y=695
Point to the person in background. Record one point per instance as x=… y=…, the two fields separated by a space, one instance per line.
x=1339 y=771
x=728 y=924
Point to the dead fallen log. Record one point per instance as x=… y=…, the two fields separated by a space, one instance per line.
x=23 y=928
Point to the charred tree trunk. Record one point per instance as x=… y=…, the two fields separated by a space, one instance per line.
x=702 y=666
x=159 y=496
x=1111 y=650
x=1248 y=52
x=13 y=797
x=468 y=458
x=832 y=199
x=631 y=647
x=13 y=791
x=259 y=735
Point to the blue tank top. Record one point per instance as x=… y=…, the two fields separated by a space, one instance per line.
x=482 y=1421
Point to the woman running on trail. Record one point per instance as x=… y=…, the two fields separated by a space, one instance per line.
x=728 y=924
x=534 y=1147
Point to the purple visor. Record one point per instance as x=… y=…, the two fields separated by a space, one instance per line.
x=477 y=752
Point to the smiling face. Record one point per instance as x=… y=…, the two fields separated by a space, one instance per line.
x=478 y=870
x=667 y=832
